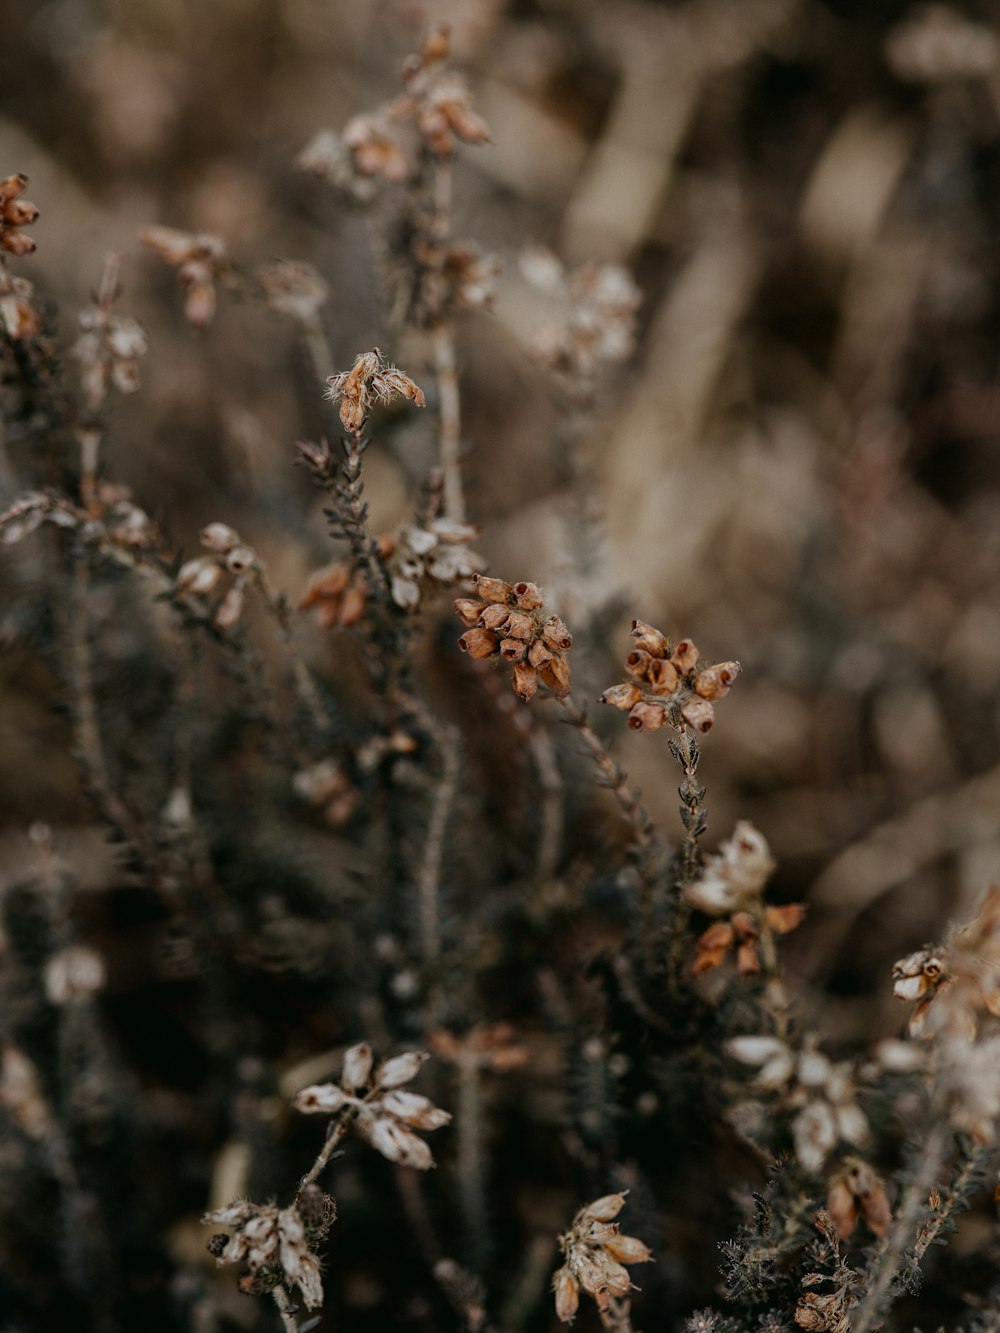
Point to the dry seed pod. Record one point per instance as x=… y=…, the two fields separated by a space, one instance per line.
x=525 y=681
x=513 y=650
x=647 y=717
x=479 y=643
x=529 y=597
x=637 y=663
x=716 y=681
x=493 y=590
x=698 y=714
x=557 y=676
x=400 y=1069
x=495 y=616
x=469 y=610
x=357 y=1067
x=649 y=639
x=622 y=697
x=685 y=656
x=662 y=676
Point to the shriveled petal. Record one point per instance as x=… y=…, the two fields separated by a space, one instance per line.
x=400 y=1069
x=399 y=1144
x=321 y=1098
x=420 y=1112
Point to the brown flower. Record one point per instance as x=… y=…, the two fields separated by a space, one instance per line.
x=596 y=1254
x=509 y=621
x=370 y=380
x=16 y=213
x=200 y=261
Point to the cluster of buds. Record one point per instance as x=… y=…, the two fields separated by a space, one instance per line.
x=489 y=1046
x=368 y=1097
x=229 y=555
x=294 y=289
x=16 y=213
x=276 y=1244
x=468 y=274
x=417 y=559
x=18 y=315
x=668 y=683
x=370 y=380
x=509 y=621
x=108 y=350
x=820 y=1094
x=731 y=886
x=596 y=1253
x=116 y=523
x=200 y=260
x=378 y=146
x=594 y=321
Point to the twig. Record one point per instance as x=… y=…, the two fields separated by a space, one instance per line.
x=429 y=877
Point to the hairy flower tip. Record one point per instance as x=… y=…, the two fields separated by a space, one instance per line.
x=735 y=877
x=200 y=260
x=16 y=213
x=509 y=621
x=274 y=1244
x=370 y=380
x=595 y=1254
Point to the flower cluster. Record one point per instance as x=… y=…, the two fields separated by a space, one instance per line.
x=293 y=288
x=731 y=886
x=229 y=555
x=821 y=1095
x=668 y=683
x=275 y=1243
x=378 y=145
x=416 y=558
x=596 y=1254
x=200 y=261
x=509 y=621
x=370 y=380
x=116 y=523
x=369 y=1098
x=108 y=350
x=16 y=213
x=594 y=321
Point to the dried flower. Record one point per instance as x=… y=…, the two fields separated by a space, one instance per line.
x=370 y=380
x=200 y=261
x=667 y=685
x=734 y=878
x=511 y=623
x=108 y=350
x=274 y=1243
x=16 y=213
x=378 y=1111
x=294 y=288
x=596 y=1254
x=857 y=1190
x=17 y=310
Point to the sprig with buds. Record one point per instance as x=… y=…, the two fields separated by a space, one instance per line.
x=370 y=1102
x=595 y=1254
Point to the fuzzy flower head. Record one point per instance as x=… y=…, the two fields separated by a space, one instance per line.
x=370 y=380
x=596 y=1253
x=16 y=213
x=668 y=683
x=509 y=621
x=371 y=1099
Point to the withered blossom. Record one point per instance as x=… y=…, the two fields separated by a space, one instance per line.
x=275 y=1244
x=370 y=380
x=491 y=1046
x=595 y=1254
x=668 y=684
x=16 y=213
x=109 y=350
x=369 y=1098
x=293 y=288
x=509 y=621
x=856 y=1191
x=18 y=314
x=200 y=260
x=230 y=555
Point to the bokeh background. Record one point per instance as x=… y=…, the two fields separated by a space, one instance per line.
x=799 y=469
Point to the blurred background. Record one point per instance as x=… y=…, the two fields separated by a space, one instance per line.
x=800 y=468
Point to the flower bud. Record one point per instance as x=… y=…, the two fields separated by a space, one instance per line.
x=567 y=1295
x=520 y=626
x=662 y=676
x=604 y=1209
x=647 y=717
x=628 y=1249
x=556 y=635
x=418 y=1111
x=650 y=640
x=399 y=1144
x=230 y=609
x=479 y=643
x=400 y=1069
x=525 y=681
x=321 y=1097
x=698 y=714
x=513 y=650
x=240 y=559
x=557 y=675
x=685 y=656
x=529 y=597
x=493 y=590
x=637 y=663
x=469 y=610
x=219 y=537
x=357 y=1066
x=622 y=697
x=198 y=576
x=715 y=681
x=495 y=616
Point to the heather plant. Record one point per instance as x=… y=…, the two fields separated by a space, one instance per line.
x=369 y=812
